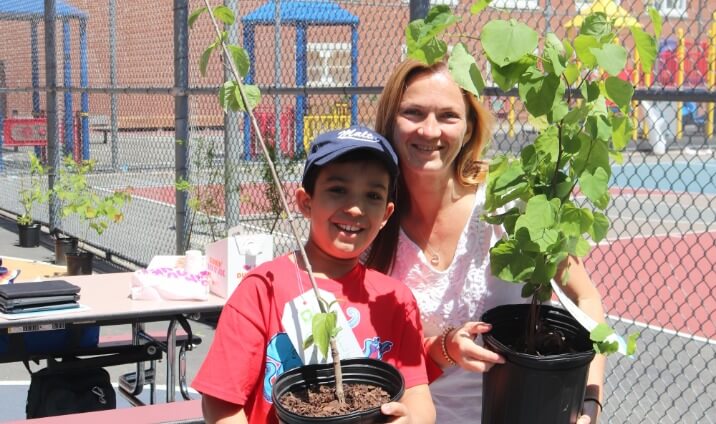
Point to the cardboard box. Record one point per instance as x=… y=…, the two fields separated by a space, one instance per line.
x=229 y=259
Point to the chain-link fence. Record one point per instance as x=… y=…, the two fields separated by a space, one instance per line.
x=130 y=96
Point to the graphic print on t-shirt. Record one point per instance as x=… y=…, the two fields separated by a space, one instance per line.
x=297 y=322
x=280 y=357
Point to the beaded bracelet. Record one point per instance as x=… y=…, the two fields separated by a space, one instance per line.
x=595 y=400
x=443 y=345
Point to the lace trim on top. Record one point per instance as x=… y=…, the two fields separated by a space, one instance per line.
x=457 y=294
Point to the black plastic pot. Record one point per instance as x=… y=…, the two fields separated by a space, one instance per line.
x=79 y=262
x=29 y=234
x=62 y=246
x=529 y=388
x=358 y=370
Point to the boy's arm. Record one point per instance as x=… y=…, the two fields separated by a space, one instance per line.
x=220 y=411
x=415 y=407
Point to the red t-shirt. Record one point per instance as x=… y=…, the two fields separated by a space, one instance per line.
x=251 y=347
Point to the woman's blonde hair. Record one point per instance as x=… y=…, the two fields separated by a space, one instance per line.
x=470 y=170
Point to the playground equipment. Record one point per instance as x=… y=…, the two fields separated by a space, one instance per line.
x=301 y=15
x=32 y=11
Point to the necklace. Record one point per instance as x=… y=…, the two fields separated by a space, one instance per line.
x=434 y=257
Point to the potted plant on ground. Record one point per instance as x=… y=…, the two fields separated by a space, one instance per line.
x=580 y=109
x=235 y=96
x=96 y=212
x=31 y=192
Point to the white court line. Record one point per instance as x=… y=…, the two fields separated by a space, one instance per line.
x=663 y=330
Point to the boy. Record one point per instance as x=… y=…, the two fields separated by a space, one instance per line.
x=346 y=194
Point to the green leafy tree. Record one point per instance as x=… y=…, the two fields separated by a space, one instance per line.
x=34 y=192
x=235 y=96
x=79 y=198
x=566 y=86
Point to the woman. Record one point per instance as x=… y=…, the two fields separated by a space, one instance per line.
x=437 y=243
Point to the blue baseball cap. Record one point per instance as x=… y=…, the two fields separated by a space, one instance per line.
x=330 y=145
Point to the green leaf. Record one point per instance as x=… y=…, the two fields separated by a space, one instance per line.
x=539 y=214
x=505 y=187
x=646 y=47
x=655 y=21
x=553 y=52
x=581 y=247
x=596 y=24
x=430 y=52
x=600 y=332
x=224 y=14
x=631 y=343
x=507 y=76
x=225 y=94
x=240 y=59
x=322 y=327
x=619 y=91
x=538 y=91
x=464 y=70
x=621 y=131
x=507 y=42
x=195 y=15
x=571 y=73
x=547 y=144
x=575 y=221
x=508 y=263
x=594 y=184
x=204 y=60
x=583 y=45
x=611 y=57
x=479 y=6
x=308 y=342
x=600 y=227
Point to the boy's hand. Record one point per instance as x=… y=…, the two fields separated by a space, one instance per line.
x=397 y=411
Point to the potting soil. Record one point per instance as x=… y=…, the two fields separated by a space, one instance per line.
x=321 y=401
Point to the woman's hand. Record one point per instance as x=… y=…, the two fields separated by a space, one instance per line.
x=461 y=347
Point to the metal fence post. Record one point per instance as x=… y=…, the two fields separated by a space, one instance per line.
x=53 y=153
x=419 y=9
x=181 y=114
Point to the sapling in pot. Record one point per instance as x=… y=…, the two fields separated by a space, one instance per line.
x=235 y=96
x=581 y=110
x=31 y=193
x=96 y=212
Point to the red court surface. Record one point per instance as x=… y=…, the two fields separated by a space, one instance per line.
x=253 y=196
x=665 y=281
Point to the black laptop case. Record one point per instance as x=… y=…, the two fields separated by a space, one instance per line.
x=39 y=300
x=38 y=289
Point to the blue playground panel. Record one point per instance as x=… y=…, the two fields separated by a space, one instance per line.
x=693 y=177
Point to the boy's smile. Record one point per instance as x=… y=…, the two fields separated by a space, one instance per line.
x=348 y=207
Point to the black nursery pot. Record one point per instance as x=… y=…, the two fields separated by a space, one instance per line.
x=529 y=388
x=29 y=234
x=358 y=370
x=62 y=246
x=79 y=263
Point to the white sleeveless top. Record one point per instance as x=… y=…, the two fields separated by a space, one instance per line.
x=461 y=293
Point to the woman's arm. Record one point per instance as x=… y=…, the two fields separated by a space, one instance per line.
x=415 y=407
x=456 y=346
x=584 y=293
x=219 y=411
